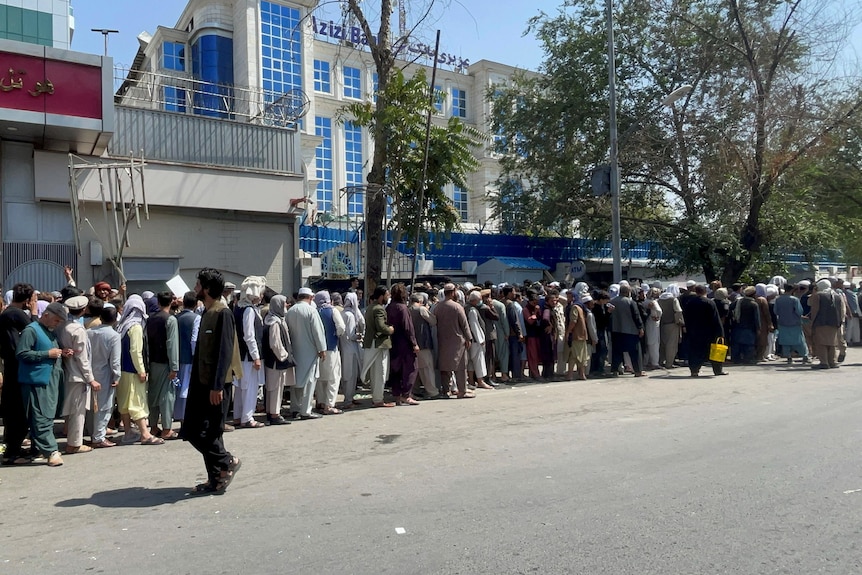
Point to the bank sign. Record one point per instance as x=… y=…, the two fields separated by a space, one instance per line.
x=355 y=36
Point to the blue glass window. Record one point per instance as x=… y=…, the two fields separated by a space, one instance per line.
x=212 y=64
x=174 y=56
x=323 y=163
x=459 y=200
x=322 y=82
x=438 y=98
x=375 y=86
x=352 y=83
x=353 y=167
x=281 y=49
x=459 y=103
x=175 y=99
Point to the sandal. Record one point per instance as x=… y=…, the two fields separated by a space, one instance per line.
x=226 y=477
x=153 y=440
x=252 y=424
x=465 y=396
x=331 y=411
x=20 y=460
x=204 y=488
x=172 y=435
x=409 y=401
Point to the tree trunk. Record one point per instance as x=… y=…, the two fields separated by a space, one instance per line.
x=375 y=198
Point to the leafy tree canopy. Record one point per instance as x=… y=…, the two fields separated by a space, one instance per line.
x=725 y=178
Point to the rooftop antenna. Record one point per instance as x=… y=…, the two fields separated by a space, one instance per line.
x=105 y=32
x=402 y=19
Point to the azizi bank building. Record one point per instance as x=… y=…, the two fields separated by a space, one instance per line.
x=298 y=59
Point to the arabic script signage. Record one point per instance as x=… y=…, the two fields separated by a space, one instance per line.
x=33 y=84
x=354 y=35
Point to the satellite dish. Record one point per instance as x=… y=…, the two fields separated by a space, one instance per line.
x=286 y=109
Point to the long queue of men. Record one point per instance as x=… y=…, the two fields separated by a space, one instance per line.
x=105 y=362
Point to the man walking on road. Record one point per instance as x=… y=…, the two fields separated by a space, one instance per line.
x=216 y=363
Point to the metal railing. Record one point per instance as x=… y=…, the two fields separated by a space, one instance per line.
x=179 y=92
x=188 y=139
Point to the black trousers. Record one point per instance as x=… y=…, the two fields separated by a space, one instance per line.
x=15 y=424
x=203 y=427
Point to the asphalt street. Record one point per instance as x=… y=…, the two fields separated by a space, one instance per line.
x=756 y=472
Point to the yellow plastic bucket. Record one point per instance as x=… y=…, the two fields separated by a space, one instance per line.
x=718 y=351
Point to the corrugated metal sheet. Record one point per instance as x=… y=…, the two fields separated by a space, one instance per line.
x=38 y=264
x=192 y=139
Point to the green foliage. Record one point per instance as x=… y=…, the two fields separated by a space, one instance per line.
x=450 y=155
x=719 y=178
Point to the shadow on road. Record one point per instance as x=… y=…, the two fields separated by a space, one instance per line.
x=131 y=497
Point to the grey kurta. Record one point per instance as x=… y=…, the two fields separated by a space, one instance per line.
x=105 y=357
x=452 y=332
x=307 y=339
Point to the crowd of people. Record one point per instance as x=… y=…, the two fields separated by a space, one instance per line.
x=214 y=358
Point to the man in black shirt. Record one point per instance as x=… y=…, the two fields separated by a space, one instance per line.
x=13 y=320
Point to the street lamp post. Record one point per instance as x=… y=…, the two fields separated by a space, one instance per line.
x=616 y=239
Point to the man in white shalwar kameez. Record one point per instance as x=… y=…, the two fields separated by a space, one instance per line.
x=330 y=368
x=249 y=327
x=350 y=345
x=309 y=347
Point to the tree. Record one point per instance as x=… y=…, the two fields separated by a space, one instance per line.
x=450 y=156
x=765 y=99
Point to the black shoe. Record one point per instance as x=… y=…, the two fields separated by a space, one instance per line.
x=277 y=421
x=310 y=416
x=841 y=357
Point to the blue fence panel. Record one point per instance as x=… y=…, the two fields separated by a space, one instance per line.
x=458 y=247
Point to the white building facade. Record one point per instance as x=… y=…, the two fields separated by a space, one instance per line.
x=306 y=65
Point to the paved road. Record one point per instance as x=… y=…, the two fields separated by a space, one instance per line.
x=757 y=472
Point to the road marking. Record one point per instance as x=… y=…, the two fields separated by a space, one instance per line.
x=400 y=530
x=852 y=491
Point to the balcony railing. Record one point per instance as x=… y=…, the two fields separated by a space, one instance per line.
x=180 y=93
x=175 y=118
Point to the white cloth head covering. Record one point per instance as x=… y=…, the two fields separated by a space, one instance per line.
x=7 y=297
x=760 y=290
x=276 y=310
x=351 y=306
x=672 y=290
x=322 y=299
x=824 y=285
x=134 y=313
x=614 y=290
x=778 y=281
x=771 y=291
x=252 y=288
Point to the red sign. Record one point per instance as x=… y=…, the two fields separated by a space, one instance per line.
x=35 y=84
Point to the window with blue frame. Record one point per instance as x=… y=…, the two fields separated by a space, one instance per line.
x=352 y=83
x=174 y=56
x=323 y=163
x=353 y=167
x=174 y=99
x=438 y=98
x=322 y=79
x=459 y=103
x=281 y=49
x=459 y=200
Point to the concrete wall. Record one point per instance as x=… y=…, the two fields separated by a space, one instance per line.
x=238 y=245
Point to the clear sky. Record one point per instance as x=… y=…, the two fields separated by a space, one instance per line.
x=472 y=29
